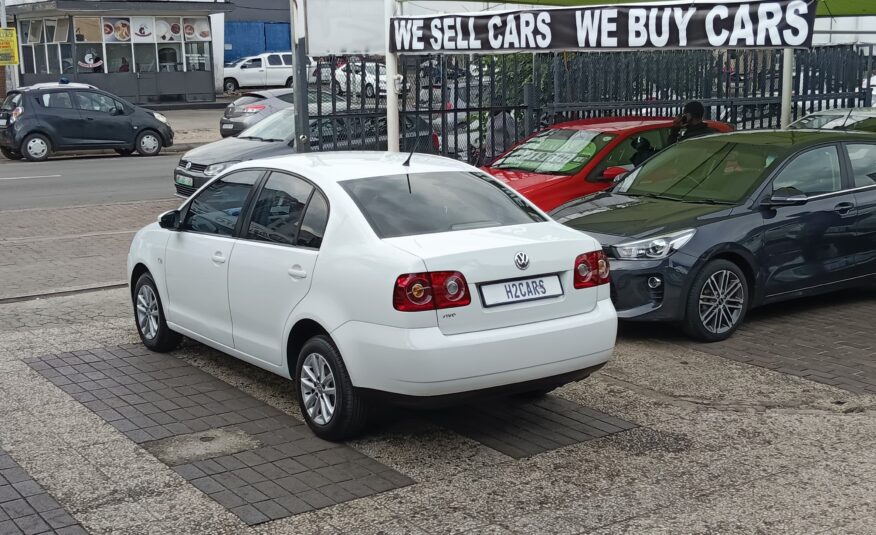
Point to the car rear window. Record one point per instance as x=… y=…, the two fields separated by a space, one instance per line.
x=247 y=99
x=13 y=100
x=426 y=203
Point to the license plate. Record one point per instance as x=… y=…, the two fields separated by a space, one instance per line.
x=516 y=291
x=2 y=122
x=227 y=126
x=184 y=180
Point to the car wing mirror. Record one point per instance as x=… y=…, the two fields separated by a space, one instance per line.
x=785 y=197
x=613 y=174
x=169 y=220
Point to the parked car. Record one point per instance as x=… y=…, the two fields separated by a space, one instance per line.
x=275 y=136
x=37 y=120
x=253 y=106
x=365 y=80
x=573 y=159
x=271 y=69
x=861 y=119
x=714 y=226
x=358 y=275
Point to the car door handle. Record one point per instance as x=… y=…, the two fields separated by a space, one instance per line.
x=296 y=272
x=844 y=207
x=218 y=258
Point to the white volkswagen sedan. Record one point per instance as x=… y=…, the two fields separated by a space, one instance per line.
x=361 y=277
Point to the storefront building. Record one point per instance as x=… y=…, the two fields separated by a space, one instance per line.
x=146 y=52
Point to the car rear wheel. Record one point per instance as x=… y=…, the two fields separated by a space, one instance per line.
x=10 y=154
x=717 y=302
x=230 y=85
x=331 y=405
x=149 y=313
x=148 y=143
x=36 y=147
x=290 y=82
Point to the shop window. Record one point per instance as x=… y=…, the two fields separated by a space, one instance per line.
x=36 y=32
x=39 y=54
x=67 y=63
x=27 y=64
x=54 y=59
x=144 y=58
x=119 y=57
x=169 y=58
x=50 y=26
x=198 y=57
x=62 y=31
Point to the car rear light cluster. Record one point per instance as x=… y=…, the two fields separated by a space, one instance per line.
x=16 y=114
x=253 y=108
x=436 y=143
x=415 y=292
x=591 y=269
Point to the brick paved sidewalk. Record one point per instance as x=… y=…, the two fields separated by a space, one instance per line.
x=45 y=251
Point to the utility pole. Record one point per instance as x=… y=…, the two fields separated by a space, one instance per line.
x=787 y=86
x=299 y=77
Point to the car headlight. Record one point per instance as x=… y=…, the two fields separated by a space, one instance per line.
x=216 y=168
x=653 y=248
x=160 y=117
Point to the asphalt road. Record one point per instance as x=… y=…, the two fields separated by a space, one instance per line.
x=85 y=180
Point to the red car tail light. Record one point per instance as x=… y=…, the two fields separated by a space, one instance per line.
x=254 y=108
x=16 y=114
x=415 y=292
x=436 y=143
x=591 y=269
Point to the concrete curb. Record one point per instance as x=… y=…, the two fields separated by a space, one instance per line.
x=175 y=149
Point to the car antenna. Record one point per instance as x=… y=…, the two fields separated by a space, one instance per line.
x=846 y=120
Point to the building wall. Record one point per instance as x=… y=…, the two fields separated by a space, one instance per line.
x=260 y=11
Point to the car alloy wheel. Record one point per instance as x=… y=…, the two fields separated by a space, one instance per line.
x=37 y=148
x=318 y=391
x=149 y=143
x=721 y=302
x=147 y=312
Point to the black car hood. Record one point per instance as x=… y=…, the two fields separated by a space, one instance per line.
x=233 y=149
x=610 y=217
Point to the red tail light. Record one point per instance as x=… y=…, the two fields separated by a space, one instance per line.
x=591 y=269
x=254 y=108
x=16 y=113
x=415 y=292
x=436 y=143
x=449 y=106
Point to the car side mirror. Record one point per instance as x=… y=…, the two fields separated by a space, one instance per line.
x=169 y=220
x=612 y=174
x=785 y=197
x=244 y=66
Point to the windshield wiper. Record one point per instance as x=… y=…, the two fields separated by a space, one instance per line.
x=254 y=138
x=706 y=201
x=653 y=196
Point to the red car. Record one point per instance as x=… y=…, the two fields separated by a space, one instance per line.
x=573 y=159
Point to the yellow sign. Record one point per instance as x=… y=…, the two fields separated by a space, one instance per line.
x=8 y=46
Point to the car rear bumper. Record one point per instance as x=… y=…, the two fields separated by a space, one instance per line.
x=426 y=362
x=233 y=127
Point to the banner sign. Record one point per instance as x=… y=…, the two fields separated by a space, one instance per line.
x=8 y=46
x=757 y=24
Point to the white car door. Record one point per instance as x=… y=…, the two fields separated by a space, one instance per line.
x=196 y=258
x=252 y=73
x=277 y=72
x=272 y=266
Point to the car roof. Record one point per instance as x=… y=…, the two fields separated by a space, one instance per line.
x=790 y=138
x=339 y=166
x=57 y=85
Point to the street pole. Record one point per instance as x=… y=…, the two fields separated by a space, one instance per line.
x=299 y=76
x=393 y=132
x=7 y=70
x=787 y=85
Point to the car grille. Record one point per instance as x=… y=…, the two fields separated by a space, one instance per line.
x=185 y=191
x=196 y=167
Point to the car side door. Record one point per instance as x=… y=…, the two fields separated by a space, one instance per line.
x=811 y=244
x=276 y=72
x=196 y=257
x=862 y=169
x=252 y=73
x=66 y=125
x=106 y=119
x=272 y=265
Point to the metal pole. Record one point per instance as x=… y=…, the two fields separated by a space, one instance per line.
x=787 y=85
x=299 y=77
x=393 y=131
x=8 y=72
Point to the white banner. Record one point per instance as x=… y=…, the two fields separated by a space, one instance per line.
x=345 y=27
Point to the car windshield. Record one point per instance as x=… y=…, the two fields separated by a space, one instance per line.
x=278 y=126
x=712 y=170
x=235 y=62
x=426 y=203
x=12 y=101
x=562 y=151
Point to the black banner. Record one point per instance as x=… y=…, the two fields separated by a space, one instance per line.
x=760 y=24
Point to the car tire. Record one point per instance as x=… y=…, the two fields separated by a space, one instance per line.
x=290 y=82
x=717 y=302
x=320 y=362
x=149 y=317
x=369 y=91
x=124 y=152
x=10 y=154
x=36 y=148
x=148 y=143
x=230 y=85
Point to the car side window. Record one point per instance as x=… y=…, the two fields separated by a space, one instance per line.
x=863 y=158
x=314 y=222
x=216 y=209
x=88 y=101
x=254 y=63
x=815 y=172
x=287 y=59
x=57 y=100
x=276 y=216
x=274 y=60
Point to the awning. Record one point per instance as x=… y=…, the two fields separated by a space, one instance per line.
x=109 y=8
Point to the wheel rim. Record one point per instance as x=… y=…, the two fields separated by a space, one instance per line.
x=722 y=300
x=147 y=312
x=37 y=147
x=149 y=143
x=317 y=386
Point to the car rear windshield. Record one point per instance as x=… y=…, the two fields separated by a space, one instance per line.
x=249 y=98
x=560 y=151
x=703 y=170
x=426 y=203
x=13 y=100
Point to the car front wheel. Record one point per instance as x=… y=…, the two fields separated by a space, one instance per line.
x=148 y=143
x=36 y=147
x=330 y=404
x=149 y=313
x=717 y=302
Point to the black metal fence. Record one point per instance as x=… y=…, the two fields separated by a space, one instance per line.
x=475 y=107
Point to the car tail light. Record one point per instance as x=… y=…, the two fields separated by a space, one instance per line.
x=254 y=108
x=449 y=106
x=415 y=292
x=16 y=113
x=436 y=143
x=591 y=269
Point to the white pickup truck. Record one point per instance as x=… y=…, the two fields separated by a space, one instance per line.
x=271 y=69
